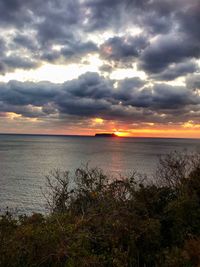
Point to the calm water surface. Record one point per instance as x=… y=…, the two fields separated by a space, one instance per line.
x=25 y=160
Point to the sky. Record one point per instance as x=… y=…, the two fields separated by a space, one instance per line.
x=87 y=66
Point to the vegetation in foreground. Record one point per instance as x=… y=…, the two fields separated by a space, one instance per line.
x=107 y=222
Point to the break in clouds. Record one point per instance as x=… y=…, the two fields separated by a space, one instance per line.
x=158 y=42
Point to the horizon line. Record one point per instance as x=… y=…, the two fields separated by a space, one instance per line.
x=79 y=135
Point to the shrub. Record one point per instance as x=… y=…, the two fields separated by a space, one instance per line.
x=95 y=220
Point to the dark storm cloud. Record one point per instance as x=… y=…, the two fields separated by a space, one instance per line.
x=173 y=97
x=79 y=49
x=100 y=14
x=173 y=25
x=89 y=85
x=189 y=20
x=16 y=62
x=152 y=15
x=13 y=12
x=92 y=96
x=179 y=43
x=127 y=89
x=25 y=41
x=28 y=93
x=122 y=48
x=167 y=47
x=25 y=111
x=49 y=23
x=113 y=13
x=20 y=13
x=49 y=32
x=158 y=98
x=155 y=24
x=83 y=107
x=11 y=63
x=71 y=51
x=177 y=70
x=167 y=50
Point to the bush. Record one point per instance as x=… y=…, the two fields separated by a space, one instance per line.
x=95 y=220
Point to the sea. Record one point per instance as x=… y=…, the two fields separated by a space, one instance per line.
x=26 y=160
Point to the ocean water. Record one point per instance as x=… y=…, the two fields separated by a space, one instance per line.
x=25 y=160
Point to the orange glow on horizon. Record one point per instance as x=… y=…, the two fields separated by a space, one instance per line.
x=20 y=124
x=120 y=134
x=172 y=133
x=162 y=131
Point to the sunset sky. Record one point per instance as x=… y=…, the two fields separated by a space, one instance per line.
x=87 y=66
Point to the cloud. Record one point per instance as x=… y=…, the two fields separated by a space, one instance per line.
x=16 y=62
x=28 y=93
x=167 y=50
x=160 y=38
x=33 y=28
x=25 y=41
x=189 y=20
x=12 y=13
x=176 y=70
x=169 y=32
x=193 y=82
x=92 y=96
x=173 y=97
x=72 y=51
x=123 y=48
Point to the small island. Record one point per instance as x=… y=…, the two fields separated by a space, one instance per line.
x=105 y=135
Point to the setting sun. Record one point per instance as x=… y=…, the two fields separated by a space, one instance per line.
x=120 y=134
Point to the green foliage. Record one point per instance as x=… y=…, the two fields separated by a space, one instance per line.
x=96 y=220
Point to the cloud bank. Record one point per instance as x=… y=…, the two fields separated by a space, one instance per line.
x=160 y=39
